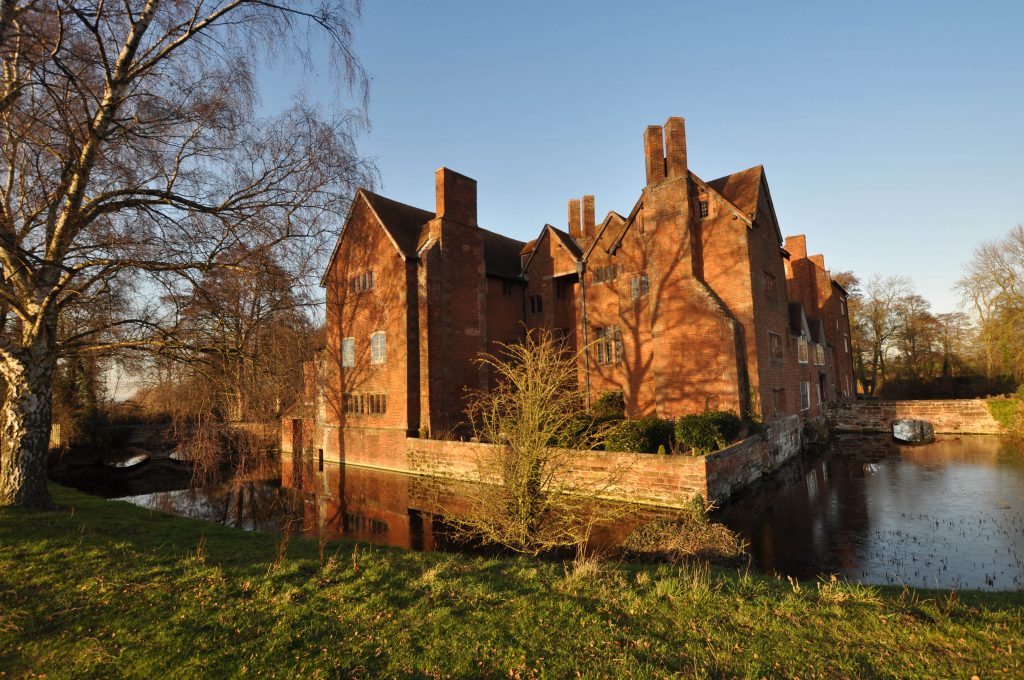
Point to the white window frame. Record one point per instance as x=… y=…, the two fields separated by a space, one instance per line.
x=379 y=348
x=805 y=395
x=818 y=385
x=846 y=343
x=348 y=352
x=801 y=350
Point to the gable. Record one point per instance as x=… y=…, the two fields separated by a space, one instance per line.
x=361 y=215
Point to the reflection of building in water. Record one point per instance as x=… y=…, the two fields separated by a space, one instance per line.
x=402 y=510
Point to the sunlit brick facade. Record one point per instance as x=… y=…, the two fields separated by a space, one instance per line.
x=692 y=299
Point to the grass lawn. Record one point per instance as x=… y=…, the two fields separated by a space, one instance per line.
x=106 y=589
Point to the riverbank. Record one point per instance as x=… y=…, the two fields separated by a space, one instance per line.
x=106 y=589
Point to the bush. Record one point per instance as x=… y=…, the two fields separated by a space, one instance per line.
x=644 y=435
x=708 y=431
x=610 y=406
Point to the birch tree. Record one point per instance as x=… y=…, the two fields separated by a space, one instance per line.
x=131 y=158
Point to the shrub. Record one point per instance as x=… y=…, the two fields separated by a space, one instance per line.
x=644 y=435
x=690 y=534
x=708 y=431
x=610 y=406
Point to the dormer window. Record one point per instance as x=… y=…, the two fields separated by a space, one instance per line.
x=801 y=350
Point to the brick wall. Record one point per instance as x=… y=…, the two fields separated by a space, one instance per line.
x=641 y=478
x=961 y=416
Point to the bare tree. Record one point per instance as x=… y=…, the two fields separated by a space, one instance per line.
x=534 y=499
x=993 y=293
x=132 y=160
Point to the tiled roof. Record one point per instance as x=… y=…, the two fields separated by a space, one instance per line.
x=568 y=241
x=402 y=221
x=501 y=254
x=741 y=188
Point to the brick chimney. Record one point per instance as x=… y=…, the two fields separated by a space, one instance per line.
x=675 y=147
x=574 y=218
x=588 y=216
x=796 y=246
x=456 y=197
x=654 y=153
x=818 y=260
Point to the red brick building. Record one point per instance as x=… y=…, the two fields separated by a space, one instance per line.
x=692 y=299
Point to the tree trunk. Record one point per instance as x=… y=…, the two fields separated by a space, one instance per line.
x=26 y=420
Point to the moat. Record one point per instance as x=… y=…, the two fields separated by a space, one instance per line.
x=945 y=515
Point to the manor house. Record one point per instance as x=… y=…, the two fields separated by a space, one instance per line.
x=691 y=298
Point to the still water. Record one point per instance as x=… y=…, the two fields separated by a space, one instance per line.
x=945 y=515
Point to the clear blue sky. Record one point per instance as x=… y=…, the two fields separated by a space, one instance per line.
x=892 y=133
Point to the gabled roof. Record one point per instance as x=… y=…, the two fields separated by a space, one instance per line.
x=401 y=221
x=741 y=188
x=564 y=238
x=614 y=218
x=404 y=225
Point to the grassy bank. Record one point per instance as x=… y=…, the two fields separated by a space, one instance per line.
x=106 y=589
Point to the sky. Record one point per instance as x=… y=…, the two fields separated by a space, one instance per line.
x=891 y=133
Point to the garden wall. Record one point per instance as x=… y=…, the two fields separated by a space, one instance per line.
x=665 y=480
x=949 y=416
x=643 y=478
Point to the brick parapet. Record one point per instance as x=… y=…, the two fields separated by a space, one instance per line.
x=947 y=416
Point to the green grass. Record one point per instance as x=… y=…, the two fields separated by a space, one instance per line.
x=1005 y=411
x=106 y=589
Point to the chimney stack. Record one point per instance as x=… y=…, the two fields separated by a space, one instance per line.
x=574 y=218
x=456 y=197
x=654 y=153
x=675 y=147
x=818 y=260
x=796 y=246
x=588 y=216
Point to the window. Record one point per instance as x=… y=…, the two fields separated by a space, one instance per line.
x=801 y=349
x=352 y=404
x=805 y=396
x=377 y=404
x=609 y=345
x=775 y=346
x=842 y=305
x=378 y=348
x=639 y=286
x=819 y=355
x=769 y=286
x=361 y=281
x=608 y=273
x=778 y=400
x=320 y=459
x=365 y=404
x=703 y=208
x=348 y=352
x=506 y=287
x=536 y=304
x=818 y=385
x=846 y=343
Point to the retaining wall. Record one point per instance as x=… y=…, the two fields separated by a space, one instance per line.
x=667 y=480
x=947 y=416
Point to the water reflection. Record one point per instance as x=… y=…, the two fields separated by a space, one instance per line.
x=364 y=504
x=946 y=515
